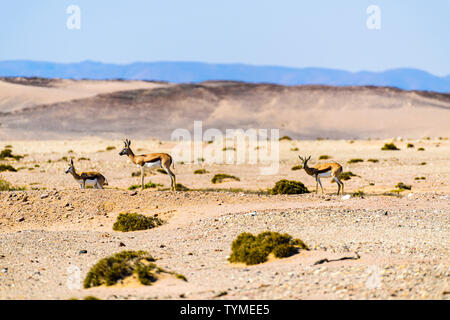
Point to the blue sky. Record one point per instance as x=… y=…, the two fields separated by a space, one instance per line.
x=294 y=33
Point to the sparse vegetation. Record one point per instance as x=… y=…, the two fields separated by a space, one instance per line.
x=297 y=167
x=373 y=160
x=403 y=186
x=220 y=177
x=324 y=157
x=180 y=187
x=347 y=175
x=7 y=186
x=354 y=161
x=109 y=148
x=108 y=271
x=288 y=187
x=229 y=149
x=359 y=194
x=7 y=153
x=285 y=138
x=146 y=186
x=389 y=146
x=83 y=159
x=135 y=221
x=250 y=249
x=200 y=171
x=421 y=149
x=7 y=167
x=294 y=149
x=419 y=178
x=410 y=145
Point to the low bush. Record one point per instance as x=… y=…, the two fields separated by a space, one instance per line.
x=200 y=171
x=354 y=161
x=373 y=160
x=410 y=145
x=7 y=167
x=134 y=221
x=389 y=146
x=109 y=148
x=359 y=194
x=285 y=138
x=421 y=149
x=288 y=187
x=297 y=167
x=347 y=175
x=146 y=186
x=220 y=177
x=324 y=157
x=250 y=249
x=403 y=186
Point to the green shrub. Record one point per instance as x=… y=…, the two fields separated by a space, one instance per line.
x=419 y=178
x=229 y=149
x=7 y=153
x=146 y=186
x=289 y=187
x=410 y=145
x=403 y=186
x=294 y=149
x=7 y=186
x=108 y=271
x=389 y=146
x=354 y=161
x=297 y=167
x=180 y=187
x=135 y=221
x=285 y=138
x=91 y=298
x=421 y=149
x=324 y=157
x=7 y=167
x=200 y=171
x=347 y=175
x=218 y=178
x=359 y=194
x=83 y=159
x=251 y=249
x=109 y=148
x=373 y=160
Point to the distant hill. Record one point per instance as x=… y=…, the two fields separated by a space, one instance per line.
x=64 y=109
x=188 y=72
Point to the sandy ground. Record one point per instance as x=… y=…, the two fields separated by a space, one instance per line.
x=403 y=241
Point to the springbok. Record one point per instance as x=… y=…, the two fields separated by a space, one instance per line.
x=324 y=170
x=96 y=179
x=152 y=160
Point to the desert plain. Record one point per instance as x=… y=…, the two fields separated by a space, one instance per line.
x=379 y=242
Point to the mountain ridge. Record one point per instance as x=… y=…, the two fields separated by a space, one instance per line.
x=193 y=72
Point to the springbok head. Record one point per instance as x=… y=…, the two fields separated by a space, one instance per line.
x=126 y=148
x=71 y=168
x=304 y=160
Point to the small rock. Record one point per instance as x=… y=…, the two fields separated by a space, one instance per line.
x=346 y=197
x=21 y=219
x=83 y=251
x=133 y=193
x=45 y=195
x=122 y=244
x=4 y=270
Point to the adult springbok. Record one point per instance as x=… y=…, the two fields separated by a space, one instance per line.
x=152 y=160
x=93 y=178
x=324 y=170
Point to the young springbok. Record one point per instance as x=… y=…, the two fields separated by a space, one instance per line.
x=96 y=179
x=324 y=170
x=161 y=160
